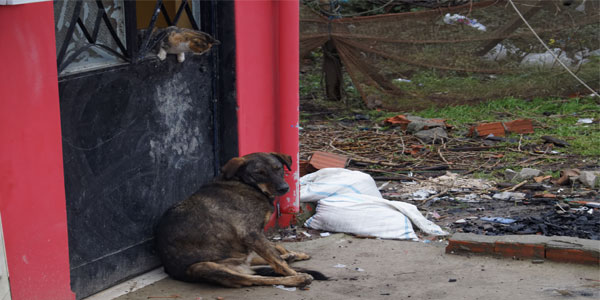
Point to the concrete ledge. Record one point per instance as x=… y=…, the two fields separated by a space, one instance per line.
x=559 y=249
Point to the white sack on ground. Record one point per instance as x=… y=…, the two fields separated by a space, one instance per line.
x=332 y=181
x=353 y=213
x=372 y=216
x=350 y=202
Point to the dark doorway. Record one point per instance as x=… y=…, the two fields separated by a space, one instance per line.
x=139 y=134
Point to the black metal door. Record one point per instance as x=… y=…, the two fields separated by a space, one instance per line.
x=138 y=136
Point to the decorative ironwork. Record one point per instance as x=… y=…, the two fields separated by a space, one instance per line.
x=129 y=51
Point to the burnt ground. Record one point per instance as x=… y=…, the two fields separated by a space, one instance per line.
x=397 y=159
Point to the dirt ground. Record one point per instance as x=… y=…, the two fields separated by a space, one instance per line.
x=389 y=269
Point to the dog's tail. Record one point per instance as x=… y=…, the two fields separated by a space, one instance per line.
x=268 y=271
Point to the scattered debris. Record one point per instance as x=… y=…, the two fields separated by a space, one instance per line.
x=585 y=121
x=455 y=184
x=324 y=234
x=509 y=174
x=586 y=203
x=577 y=223
x=537 y=261
x=590 y=178
x=361 y=117
x=469 y=198
x=436 y=176
x=414 y=124
x=567 y=176
x=282 y=287
x=555 y=141
x=460 y=19
x=527 y=186
x=540 y=179
x=339 y=266
x=527 y=173
x=435 y=135
x=544 y=195
x=506 y=196
x=498 y=220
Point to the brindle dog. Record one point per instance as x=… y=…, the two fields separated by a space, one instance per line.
x=212 y=236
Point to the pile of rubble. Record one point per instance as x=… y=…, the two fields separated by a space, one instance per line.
x=580 y=222
x=427 y=168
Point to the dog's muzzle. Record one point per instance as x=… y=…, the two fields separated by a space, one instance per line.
x=282 y=189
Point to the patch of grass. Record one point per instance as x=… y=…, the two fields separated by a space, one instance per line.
x=427 y=86
x=551 y=116
x=554 y=117
x=310 y=84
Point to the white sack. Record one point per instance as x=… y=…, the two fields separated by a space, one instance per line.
x=333 y=181
x=368 y=215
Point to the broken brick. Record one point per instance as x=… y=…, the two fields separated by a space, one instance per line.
x=403 y=121
x=485 y=129
x=414 y=150
x=399 y=120
x=499 y=129
x=523 y=126
x=320 y=160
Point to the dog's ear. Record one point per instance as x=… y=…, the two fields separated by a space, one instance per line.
x=284 y=159
x=231 y=167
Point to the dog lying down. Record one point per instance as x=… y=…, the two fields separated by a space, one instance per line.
x=216 y=235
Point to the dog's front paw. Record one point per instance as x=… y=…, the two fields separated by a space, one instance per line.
x=304 y=279
x=295 y=256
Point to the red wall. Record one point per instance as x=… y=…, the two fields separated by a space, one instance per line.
x=32 y=197
x=267 y=42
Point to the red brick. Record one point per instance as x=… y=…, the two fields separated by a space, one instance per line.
x=399 y=120
x=321 y=160
x=519 y=126
x=519 y=250
x=469 y=247
x=484 y=129
x=572 y=256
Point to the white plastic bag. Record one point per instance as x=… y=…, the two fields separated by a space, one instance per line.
x=333 y=181
x=369 y=215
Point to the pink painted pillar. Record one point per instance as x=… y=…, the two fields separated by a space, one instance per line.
x=267 y=65
x=32 y=195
